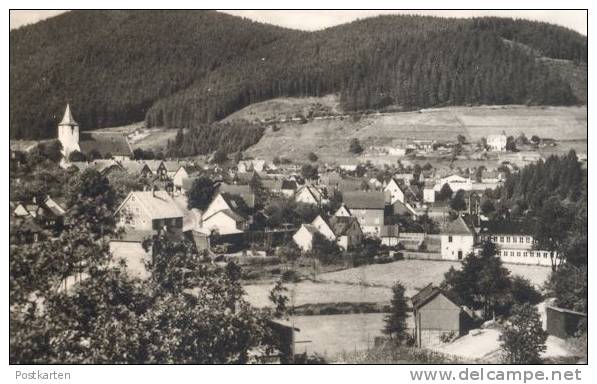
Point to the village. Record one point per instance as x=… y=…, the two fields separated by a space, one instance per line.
x=309 y=225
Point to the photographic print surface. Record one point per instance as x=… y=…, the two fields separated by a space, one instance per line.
x=298 y=187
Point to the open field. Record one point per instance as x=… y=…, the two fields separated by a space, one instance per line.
x=329 y=137
x=307 y=292
x=287 y=108
x=330 y=335
x=416 y=274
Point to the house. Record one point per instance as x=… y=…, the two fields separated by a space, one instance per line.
x=457 y=239
x=286 y=188
x=342 y=211
x=149 y=210
x=112 y=145
x=304 y=236
x=244 y=191
x=308 y=194
x=515 y=243
x=390 y=235
x=344 y=230
x=369 y=208
x=497 y=142
x=429 y=192
x=129 y=248
x=436 y=314
x=401 y=197
x=226 y=214
x=103 y=166
x=136 y=168
x=455 y=182
x=158 y=169
x=561 y=322
x=245 y=166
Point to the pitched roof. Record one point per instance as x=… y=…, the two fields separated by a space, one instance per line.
x=133 y=167
x=243 y=191
x=68 y=117
x=289 y=184
x=153 y=164
x=235 y=202
x=364 y=200
x=173 y=166
x=343 y=225
x=158 y=204
x=235 y=216
x=310 y=227
x=507 y=227
x=114 y=143
x=458 y=227
x=428 y=293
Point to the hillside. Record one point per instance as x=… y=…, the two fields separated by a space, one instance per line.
x=185 y=68
x=329 y=137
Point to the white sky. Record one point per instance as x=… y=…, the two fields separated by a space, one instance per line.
x=314 y=20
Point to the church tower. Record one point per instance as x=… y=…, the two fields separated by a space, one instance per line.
x=68 y=133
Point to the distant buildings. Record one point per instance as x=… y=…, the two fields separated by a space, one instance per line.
x=497 y=142
x=369 y=208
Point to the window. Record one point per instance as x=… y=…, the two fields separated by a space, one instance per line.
x=521 y=239
x=449 y=239
x=499 y=253
x=532 y=253
x=518 y=254
x=507 y=239
x=511 y=253
x=501 y=239
x=528 y=239
x=545 y=255
x=514 y=239
x=525 y=254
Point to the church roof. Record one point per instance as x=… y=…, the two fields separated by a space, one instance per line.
x=68 y=117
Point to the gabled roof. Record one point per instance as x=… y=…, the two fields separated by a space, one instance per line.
x=133 y=167
x=235 y=202
x=173 y=166
x=289 y=184
x=310 y=227
x=244 y=191
x=157 y=204
x=233 y=215
x=344 y=225
x=364 y=200
x=458 y=227
x=507 y=227
x=426 y=294
x=154 y=164
x=68 y=117
x=113 y=143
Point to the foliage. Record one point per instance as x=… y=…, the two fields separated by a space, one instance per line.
x=287 y=211
x=312 y=157
x=355 y=146
x=482 y=282
x=201 y=193
x=569 y=286
x=510 y=144
x=395 y=321
x=457 y=202
x=278 y=298
x=445 y=193
x=372 y=63
x=222 y=137
x=523 y=339
x=309 y=172
x=324 y=250
x=76 y=156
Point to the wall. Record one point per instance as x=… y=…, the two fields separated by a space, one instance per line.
x=462 y=243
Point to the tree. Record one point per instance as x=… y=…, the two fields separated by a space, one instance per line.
x=324 y=250
x=487 y=207
x=482 y=282
x=523 y=291
x=355 y=146
x=461 y=139
x=76 y=156
x=277 y=296
x=312 y=157
x=309 y=172
x=523 y=339
x=458 y=203
x=201 y=193
x=510 y=144
x=553 y=219
x=395 y=321
x=220 y=157
x=535 y=139
x=445 y=192
x=569 y=285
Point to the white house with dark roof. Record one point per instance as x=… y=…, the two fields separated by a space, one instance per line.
x=369 y=208
x=226 y=214
x=457 y=239
x=304 y=236
x=308 y=194
x=149 y=210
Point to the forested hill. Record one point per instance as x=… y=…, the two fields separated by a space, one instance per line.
x=183 y=68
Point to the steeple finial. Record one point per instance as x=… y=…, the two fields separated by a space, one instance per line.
x=68 y=117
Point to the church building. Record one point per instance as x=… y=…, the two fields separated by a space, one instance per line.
x=96 y=144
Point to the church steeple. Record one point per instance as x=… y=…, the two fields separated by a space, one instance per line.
x=68 y=117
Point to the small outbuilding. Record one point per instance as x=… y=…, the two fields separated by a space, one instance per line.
x=561 y=322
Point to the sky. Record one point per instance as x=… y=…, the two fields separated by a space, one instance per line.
x=314 y=20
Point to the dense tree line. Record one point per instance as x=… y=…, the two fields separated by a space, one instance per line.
x=219 y=137
x=184 y=68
